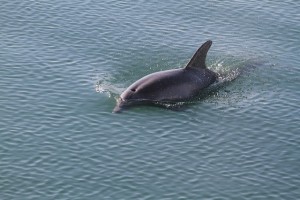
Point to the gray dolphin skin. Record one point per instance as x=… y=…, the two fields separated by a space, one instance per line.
x=176 y=85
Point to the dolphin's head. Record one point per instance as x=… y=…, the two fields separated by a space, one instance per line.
x=128 y=97
x=120 y=106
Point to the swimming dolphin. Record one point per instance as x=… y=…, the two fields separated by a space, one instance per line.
x=176 y=85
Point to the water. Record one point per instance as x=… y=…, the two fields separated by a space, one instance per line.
x=64 y=63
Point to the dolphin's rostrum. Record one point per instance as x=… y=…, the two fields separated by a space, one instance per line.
x=176 y=85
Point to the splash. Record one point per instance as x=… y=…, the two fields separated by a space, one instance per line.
x=227 y=69
x=101 y=87
x=104 y=86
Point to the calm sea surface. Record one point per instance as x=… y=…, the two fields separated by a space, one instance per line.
x=63 y=64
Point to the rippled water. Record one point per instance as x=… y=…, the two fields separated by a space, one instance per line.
x=64 y=63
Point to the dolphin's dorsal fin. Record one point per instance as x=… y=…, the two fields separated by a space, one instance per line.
x=198 y=60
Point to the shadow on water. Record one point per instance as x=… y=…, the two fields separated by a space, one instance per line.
x=229 y=70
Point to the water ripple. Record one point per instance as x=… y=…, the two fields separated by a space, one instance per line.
x=59 y=139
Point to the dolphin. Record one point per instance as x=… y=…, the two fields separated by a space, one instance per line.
x=170 y=86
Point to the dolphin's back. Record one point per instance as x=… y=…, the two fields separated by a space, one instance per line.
x=170 y=85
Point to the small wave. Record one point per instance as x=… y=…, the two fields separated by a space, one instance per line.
x=230 y=68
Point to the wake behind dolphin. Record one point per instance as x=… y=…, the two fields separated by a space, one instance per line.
x=176 y=85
